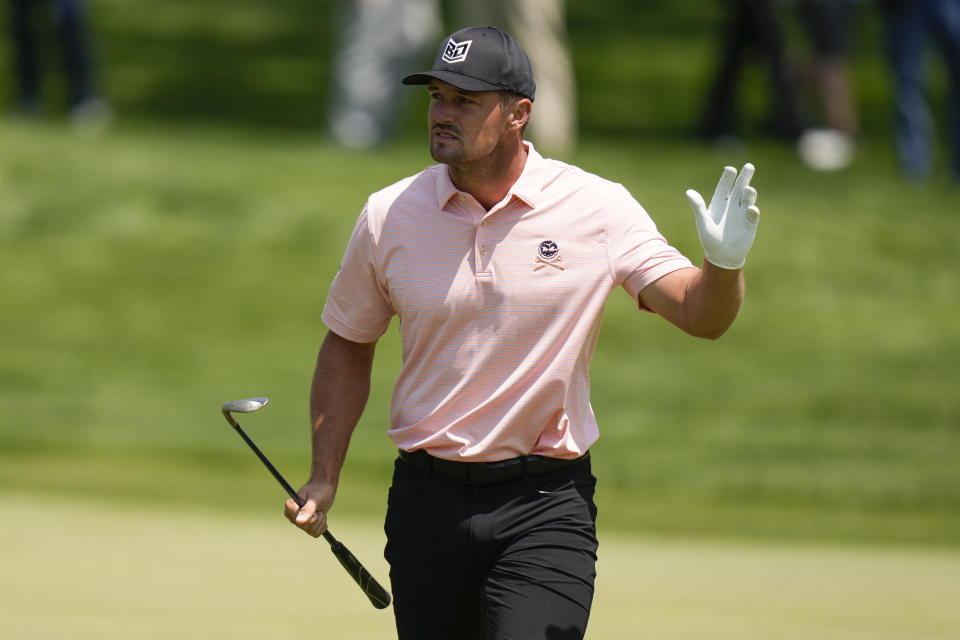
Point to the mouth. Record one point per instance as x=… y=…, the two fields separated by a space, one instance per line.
x=443 y=134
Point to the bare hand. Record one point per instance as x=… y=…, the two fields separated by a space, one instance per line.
x=312 y=516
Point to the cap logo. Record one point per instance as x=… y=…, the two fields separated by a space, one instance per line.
x=456 y=51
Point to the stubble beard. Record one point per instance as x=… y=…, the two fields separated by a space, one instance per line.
x=451 y=152
x=446 y=156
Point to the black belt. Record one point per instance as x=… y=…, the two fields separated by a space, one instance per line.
x=488 y=472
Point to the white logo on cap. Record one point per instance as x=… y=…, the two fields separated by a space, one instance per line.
x=456 y=51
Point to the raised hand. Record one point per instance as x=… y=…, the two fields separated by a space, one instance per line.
x=728 y=226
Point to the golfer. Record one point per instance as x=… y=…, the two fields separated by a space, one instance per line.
x=498 y=263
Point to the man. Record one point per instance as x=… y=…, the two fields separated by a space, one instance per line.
x=910 y=26
x=498 y=263
x=88 y=111
x=378 y=37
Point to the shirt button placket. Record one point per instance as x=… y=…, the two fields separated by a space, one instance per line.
x=481 y=248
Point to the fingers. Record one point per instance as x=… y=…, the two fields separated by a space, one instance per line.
x=315 y=525
x=717 y=202
x=741 y=193
x=743 y=180
x=746 y=194
x=701 y=215
x=696 y=201
x=306 y=517
x=290 y=510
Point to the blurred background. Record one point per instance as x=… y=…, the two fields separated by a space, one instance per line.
x=177 y=184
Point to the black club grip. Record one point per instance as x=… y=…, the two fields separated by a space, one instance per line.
x=378 y=596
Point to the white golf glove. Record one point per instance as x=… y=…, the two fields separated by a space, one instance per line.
x=727 y=228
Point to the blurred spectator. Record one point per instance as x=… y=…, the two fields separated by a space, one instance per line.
x=910 y=23
x=88 y=111
x=540 y=26
x=755 y=33
x=828 y=25
x=384 y=39
x=753 y=28
x=381 y=41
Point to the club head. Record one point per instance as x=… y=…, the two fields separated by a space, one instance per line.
x=247 y=405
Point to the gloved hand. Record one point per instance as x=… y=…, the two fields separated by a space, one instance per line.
x=728 y=227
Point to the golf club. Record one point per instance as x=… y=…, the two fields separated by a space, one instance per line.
x=379 y=596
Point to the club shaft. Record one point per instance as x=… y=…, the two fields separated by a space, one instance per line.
x=283 y=481
x=269 y=465
x=379 y=597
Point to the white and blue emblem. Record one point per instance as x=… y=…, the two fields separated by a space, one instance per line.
x=456 y=51
x=548 y=255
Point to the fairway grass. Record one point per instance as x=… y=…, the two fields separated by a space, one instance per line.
x=99 y=570
x=150 y=274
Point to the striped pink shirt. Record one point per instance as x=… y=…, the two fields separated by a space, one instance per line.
x=500 y=310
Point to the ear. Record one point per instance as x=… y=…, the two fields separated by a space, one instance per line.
x=520 y=113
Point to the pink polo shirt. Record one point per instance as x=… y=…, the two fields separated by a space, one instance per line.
x=500 y=310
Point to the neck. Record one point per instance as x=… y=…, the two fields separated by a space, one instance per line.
x=490 y=178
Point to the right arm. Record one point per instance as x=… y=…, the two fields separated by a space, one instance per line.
x=338 y=395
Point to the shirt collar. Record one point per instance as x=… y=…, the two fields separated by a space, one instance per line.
x=445 y=186
x=526 y=188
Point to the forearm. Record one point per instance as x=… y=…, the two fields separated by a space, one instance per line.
x=711 y=300
x=338 y=395
x=711 y=296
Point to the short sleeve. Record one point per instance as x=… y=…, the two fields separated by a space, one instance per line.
x=638 y=253
x=358 y=306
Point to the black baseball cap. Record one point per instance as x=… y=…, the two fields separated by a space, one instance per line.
x=481 y=59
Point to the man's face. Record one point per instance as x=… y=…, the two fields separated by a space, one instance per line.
x=465 y=126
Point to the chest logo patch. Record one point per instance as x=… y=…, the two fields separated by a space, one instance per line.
x=548 y=255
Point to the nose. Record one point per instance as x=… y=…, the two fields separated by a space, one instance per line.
x=441 y=111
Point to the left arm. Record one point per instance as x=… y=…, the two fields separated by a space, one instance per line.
x=704 y=302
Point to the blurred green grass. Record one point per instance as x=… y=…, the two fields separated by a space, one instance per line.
x=182 y=260
x=148 y=275
x=250 y=576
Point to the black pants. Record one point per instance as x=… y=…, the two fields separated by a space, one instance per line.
x=513 y=559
